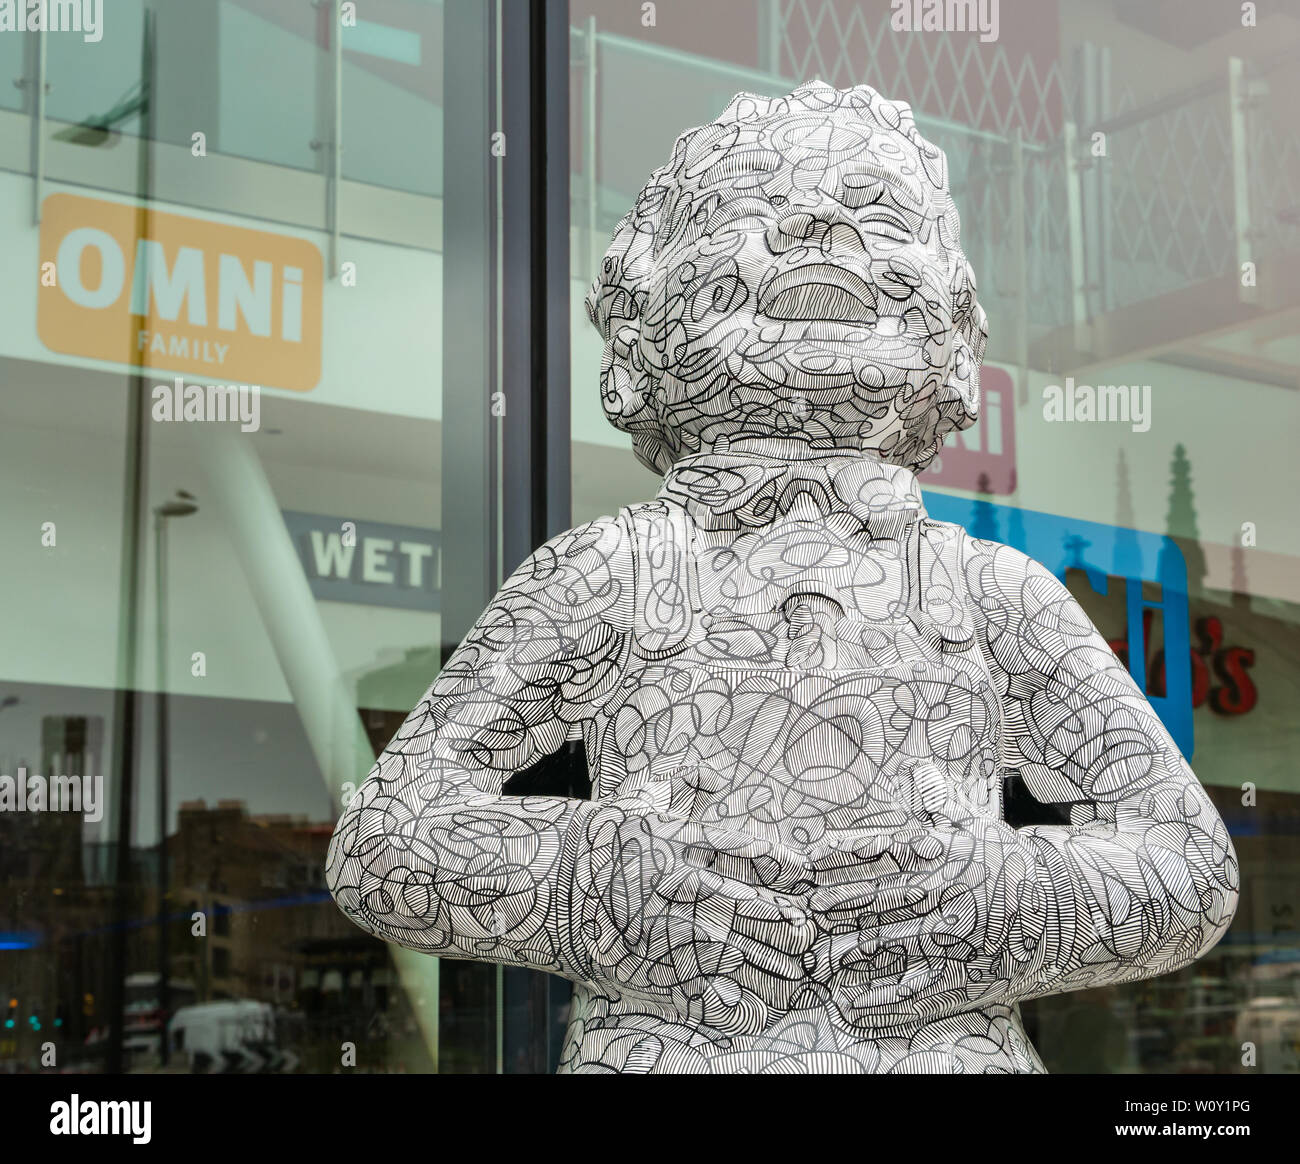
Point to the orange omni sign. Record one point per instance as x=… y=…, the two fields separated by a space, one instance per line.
x=154 y=290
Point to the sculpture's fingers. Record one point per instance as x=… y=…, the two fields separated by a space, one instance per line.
x=874 y=901
x=741 y=856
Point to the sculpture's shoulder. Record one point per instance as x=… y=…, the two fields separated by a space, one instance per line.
x=663 y=582
x=576 y=576
x=657 y=509
x=661 y=530
x=602 y=540
x=1029 y=618
x=1005 y=590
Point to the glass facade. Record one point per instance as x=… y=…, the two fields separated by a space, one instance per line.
x=1123 y=175
x=223 y=618
x=220 y=604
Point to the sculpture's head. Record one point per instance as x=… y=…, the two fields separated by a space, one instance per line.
x=794 y=271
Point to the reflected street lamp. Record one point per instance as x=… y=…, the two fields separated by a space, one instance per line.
x=181 y=506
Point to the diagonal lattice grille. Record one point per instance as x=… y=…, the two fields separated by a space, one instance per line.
x=1158 y=211
x=954 y=77
x=1171 y=220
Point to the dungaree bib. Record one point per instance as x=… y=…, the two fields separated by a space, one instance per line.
x=790 y=675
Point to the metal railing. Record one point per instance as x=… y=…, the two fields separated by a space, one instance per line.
x=955 y=78
x=1077 y=199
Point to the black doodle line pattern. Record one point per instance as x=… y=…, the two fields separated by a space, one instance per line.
x=800 y=695
x=794 y=270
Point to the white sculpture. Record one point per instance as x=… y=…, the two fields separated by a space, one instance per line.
x=800 y=695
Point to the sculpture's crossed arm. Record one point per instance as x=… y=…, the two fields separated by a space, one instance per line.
x=431 y=855
x=1145 y=878
x=962 y=911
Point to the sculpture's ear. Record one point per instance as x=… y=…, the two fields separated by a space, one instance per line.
x=968 y=316
x=961 y=387
x=618 y=293
x=616 y=305
x=954 y=406
x=627 y=390
x=970 y=338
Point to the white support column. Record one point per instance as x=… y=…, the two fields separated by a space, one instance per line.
x=245 y=502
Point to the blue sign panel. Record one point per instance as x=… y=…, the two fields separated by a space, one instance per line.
x=1102 y=552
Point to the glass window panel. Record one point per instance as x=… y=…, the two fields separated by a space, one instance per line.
x=224 y=612
x=1125 y=269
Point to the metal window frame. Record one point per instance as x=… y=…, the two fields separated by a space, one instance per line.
x=536 y=376
x=535 y=273
x=505 y=457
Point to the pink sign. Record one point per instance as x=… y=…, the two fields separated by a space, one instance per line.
x=983 y=458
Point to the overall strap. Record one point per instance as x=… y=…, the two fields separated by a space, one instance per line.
x=664 y=594
x=952 y=609
x=942 y=597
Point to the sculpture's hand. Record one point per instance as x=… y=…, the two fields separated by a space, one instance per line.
x=939 y=919
x=942 y=916
x=705 y=920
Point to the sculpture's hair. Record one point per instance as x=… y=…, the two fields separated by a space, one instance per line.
x=663 y=212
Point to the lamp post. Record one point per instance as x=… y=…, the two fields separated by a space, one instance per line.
x=182 y=506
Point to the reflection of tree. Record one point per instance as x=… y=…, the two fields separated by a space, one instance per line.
x=1180 y=521
x=984 y=520
x=1240 y=583
x=1128 y=554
